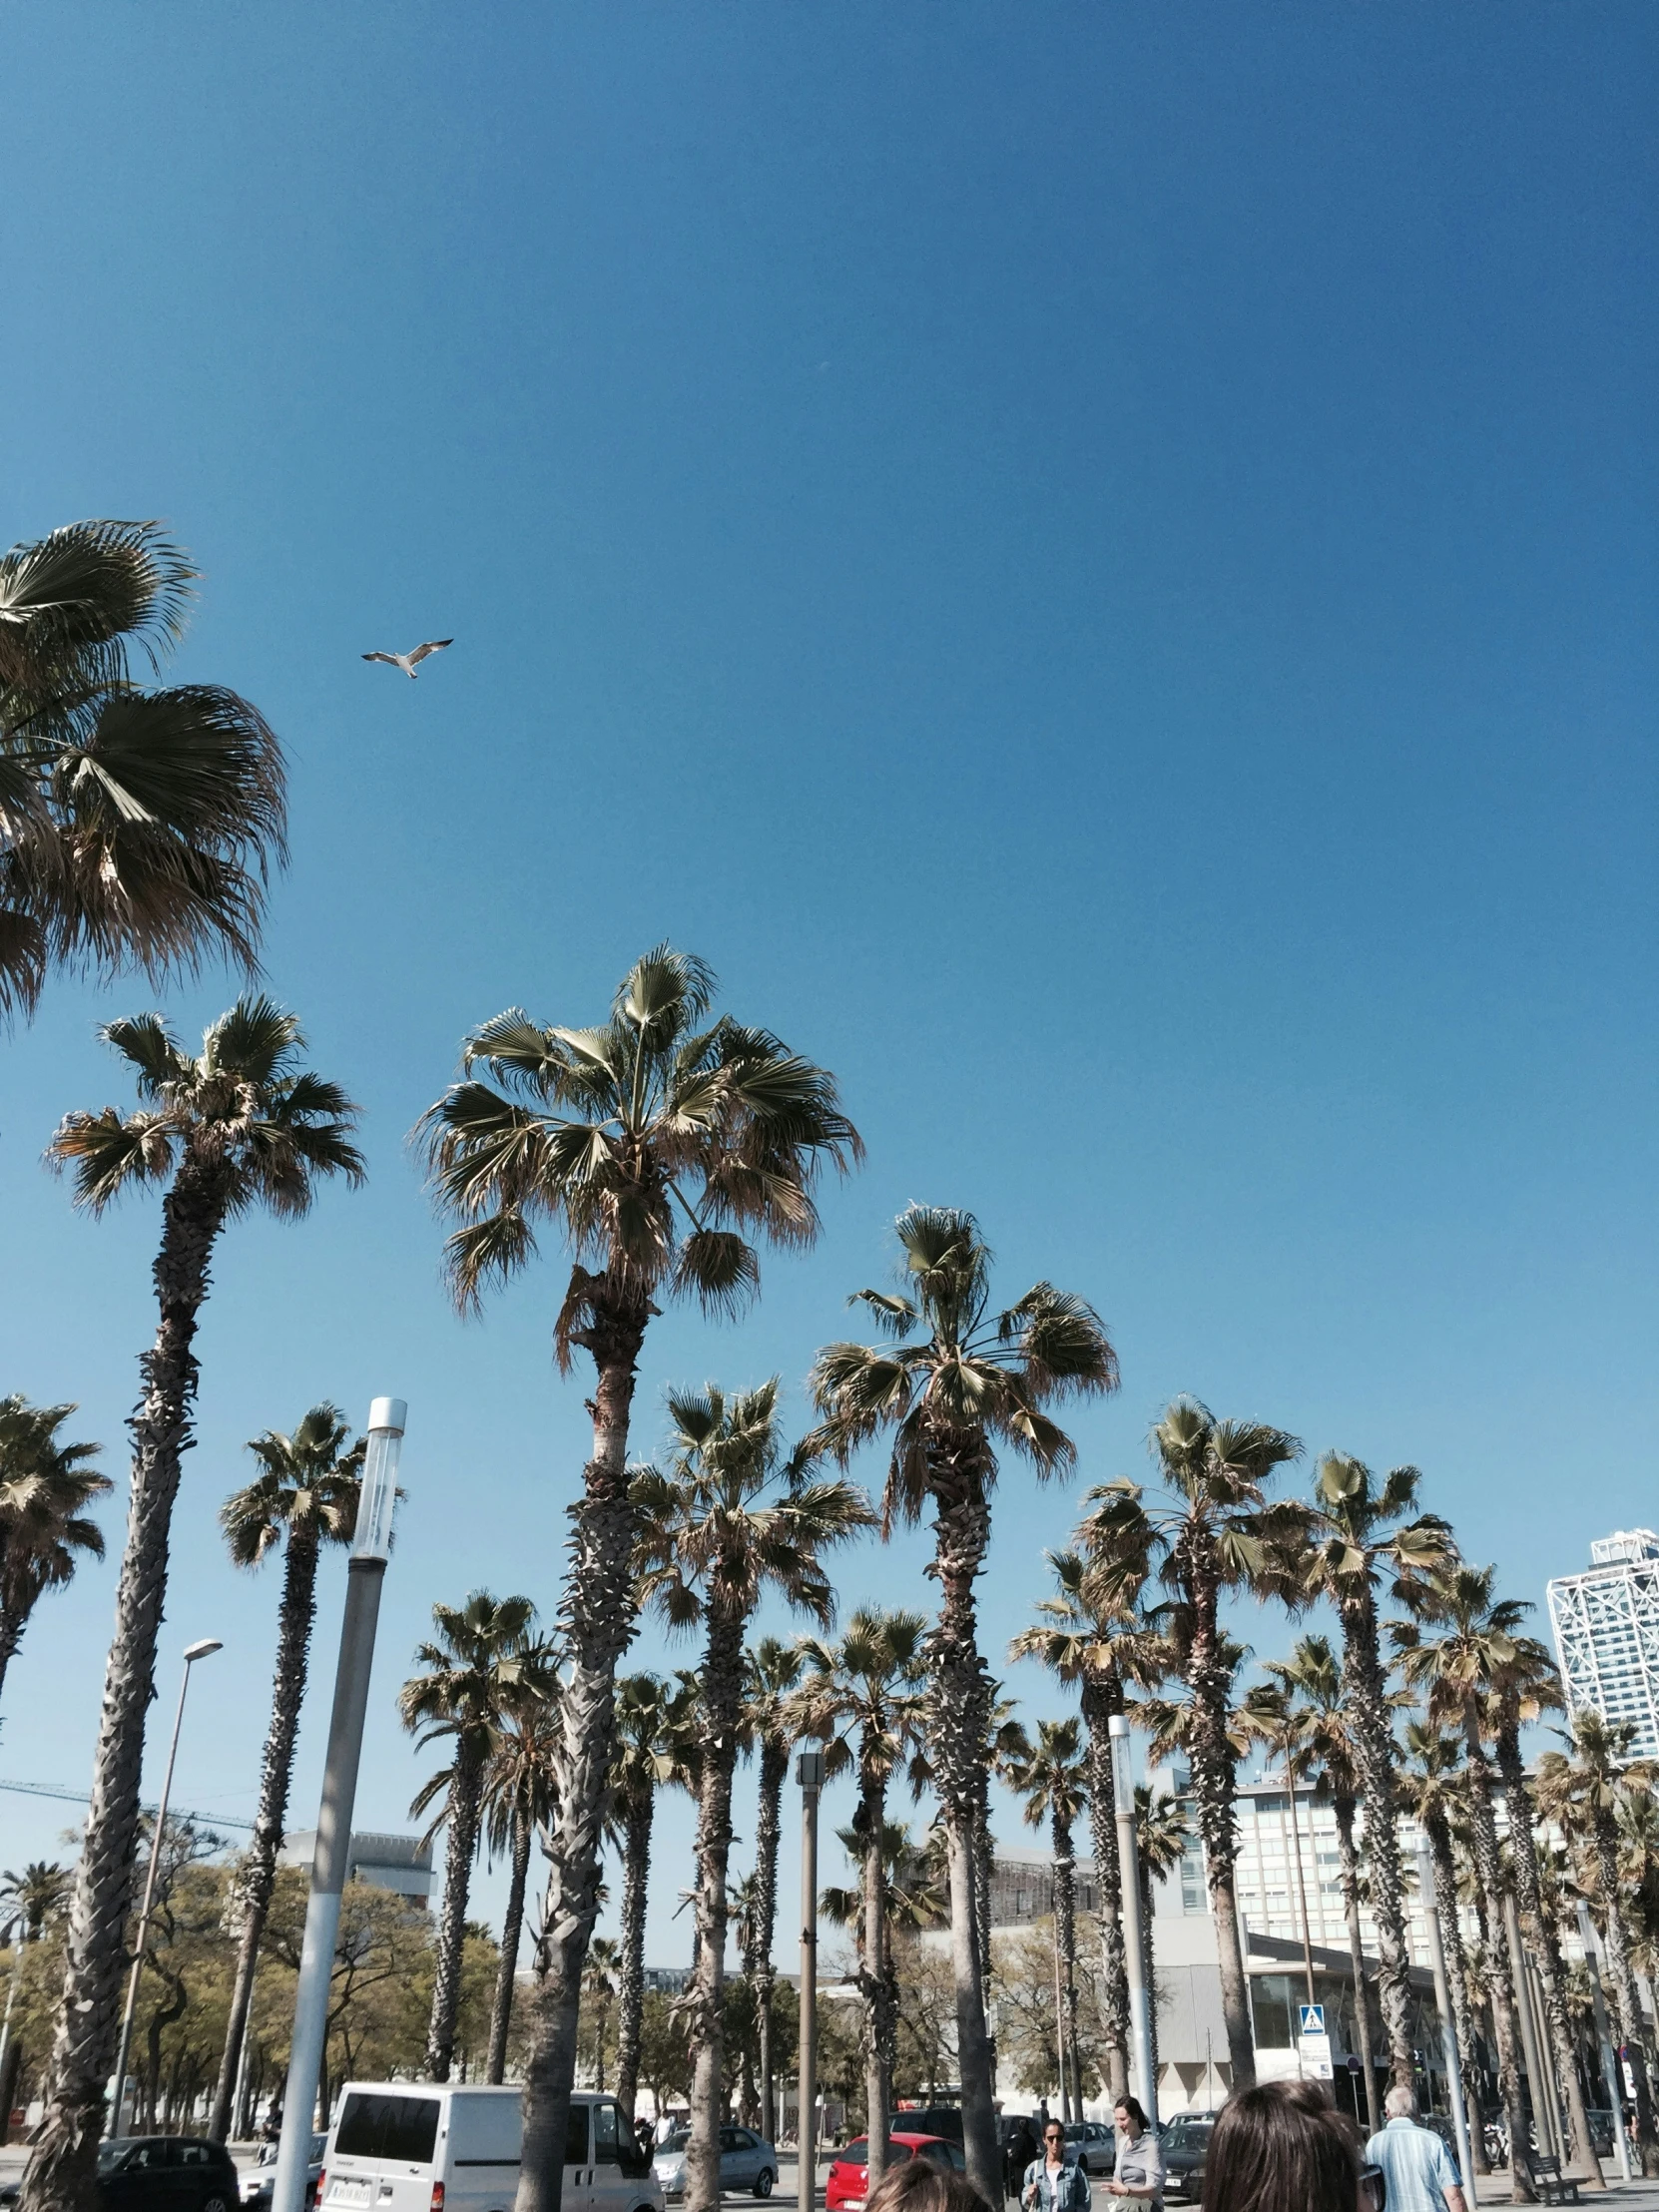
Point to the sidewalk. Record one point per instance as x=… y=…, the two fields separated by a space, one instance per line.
x=1635 y=2195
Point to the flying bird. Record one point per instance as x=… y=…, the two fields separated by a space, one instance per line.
x=408 y=662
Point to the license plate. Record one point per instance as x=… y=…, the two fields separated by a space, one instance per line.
x=349 y=2192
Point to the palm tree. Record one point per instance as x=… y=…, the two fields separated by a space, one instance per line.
x=641 y=1764
x=1528 y=1687
x=1355 y=1533
x=1313 y=1680
x=1582 y=1794
x=1212 y=1531
x=863 y=1696
x=718 y=1535
x=772 y=1669
x=1431 y=1788
x=599 y=1986
x=958 y=1379
x=517 y=1804
x=1453 y=1650
x=237 y=1125
x=139 y=825
x=481 y=1666
x=664 y=1152
x=1102 y=1648
x=34 y=1896
x=45 y=1487
x=1163 y=1836
x=1050 y=1773
x=306 y=1487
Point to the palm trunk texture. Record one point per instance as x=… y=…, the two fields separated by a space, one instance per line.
x=1149 y=1968
x=512 y=1926
x=775 y=1769
x=636 y=1874
x=722 y=1704
x=1501 y=1991
x=598 y=1618
x=1101 y=1699
x=295 y=1617
x=880 y=2027
x=1457 y=1982
x=1344 y=1810
x=1065 y=1934
x=1623 y=1978
x=1215 y=1780
x=466 y=1794
x=1365 y=1692
x=62 y=2172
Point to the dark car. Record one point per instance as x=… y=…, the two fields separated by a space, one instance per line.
x=931 y=2119
x=166 y=2173
x=1186 y=2140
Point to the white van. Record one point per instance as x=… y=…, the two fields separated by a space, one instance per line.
x=419 y=2146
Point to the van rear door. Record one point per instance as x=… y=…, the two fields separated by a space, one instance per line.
x=384 y=2152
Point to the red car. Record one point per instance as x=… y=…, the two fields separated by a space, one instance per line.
x=849 y=2176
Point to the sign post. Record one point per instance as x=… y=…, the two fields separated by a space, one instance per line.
x=1312 y=2042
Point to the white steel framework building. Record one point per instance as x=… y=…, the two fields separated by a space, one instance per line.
x=1606 y=1628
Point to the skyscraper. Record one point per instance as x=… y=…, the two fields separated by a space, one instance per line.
x=1606 y=1626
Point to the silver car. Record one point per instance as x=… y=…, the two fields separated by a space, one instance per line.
x=745 y=2162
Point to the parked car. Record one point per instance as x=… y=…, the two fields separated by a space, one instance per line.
x=848 y=2181
x=400 y=2146
x=931 y=2120
x=1186 y=2140
x=1092 y=2145
x=260 y=2180
x=166 y=2173
x=747 y=2161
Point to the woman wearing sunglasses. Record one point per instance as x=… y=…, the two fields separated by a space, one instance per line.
x=1052 y=2183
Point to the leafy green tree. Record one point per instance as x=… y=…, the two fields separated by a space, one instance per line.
x=45 y=1487
x=724 y=1526
x=307 y=1491
x=665 y=1148
x=1051 y=1775
x=140 y=825
x=517 y=1802
x=957 y=1379
x=238 y=1126
x=772 y=1669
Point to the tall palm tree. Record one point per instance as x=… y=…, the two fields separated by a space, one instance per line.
x=1312 y=1679
x=1102 y=1647
x=665 y=1151
x=1359 y=1532
x=139 y=825
x=1051 y=1775
x=1162 y=1835
x=1582 y=1794
x=772 y=1669
x=517 y=1805
x=1528 y=1687
x=45 y=1489
x=481 y=1665
x=1453 y=1650
x=1212 y=1531
x=306 y=1489
x=957 y=1379
x=239 y=1125
x=863 y=1696
x=1432 y=1790
x=727 y=1524
x=643 y=1763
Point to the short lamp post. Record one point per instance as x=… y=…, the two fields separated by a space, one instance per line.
x=193 y=1652
x=1134 y=1934
x=808 y=1772
x=370 y=1548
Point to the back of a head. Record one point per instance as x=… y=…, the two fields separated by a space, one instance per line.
x=918 y=2185
x=1274 y=2149
x=1401 y=2103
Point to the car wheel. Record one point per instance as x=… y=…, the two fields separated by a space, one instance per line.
x=764 y=2181
x=216 y=2201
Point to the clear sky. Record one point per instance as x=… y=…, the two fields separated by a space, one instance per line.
x=1097 y=561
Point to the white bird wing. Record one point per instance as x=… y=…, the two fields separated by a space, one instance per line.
x=432 y=645
x=390 y=659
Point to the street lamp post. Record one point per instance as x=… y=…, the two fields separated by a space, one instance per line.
x=1448 y=2028
x=1134 y=1934
x=193 y=1652
x=1609 y=2056
x=370 y=1547
x=808 y=1772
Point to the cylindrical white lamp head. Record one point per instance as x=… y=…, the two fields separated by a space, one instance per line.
x=372 y=1539
x=1123 y=1764
x=203 y=1650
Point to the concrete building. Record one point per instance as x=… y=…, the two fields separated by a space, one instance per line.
x=401 y=1862
x=1606 y=1628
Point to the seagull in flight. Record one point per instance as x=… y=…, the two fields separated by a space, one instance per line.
x=408 y=662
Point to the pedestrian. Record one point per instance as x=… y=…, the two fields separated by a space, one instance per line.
x=1416 y=2163
x=1018 y=2152
x=919 y=2185
x=1054 y=2183
x=1138 y=2170
x=1270 y=2152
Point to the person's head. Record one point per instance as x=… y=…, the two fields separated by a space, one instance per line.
x=921 y=2186
x=1130 y=2118
x=1054 y=2139
x=1400 y=2102
x=1276 y=2149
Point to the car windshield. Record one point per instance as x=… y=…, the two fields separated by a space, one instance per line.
x=1186 y=2134
x=677 y=2141
x=110 y=2156
x=855 y=2154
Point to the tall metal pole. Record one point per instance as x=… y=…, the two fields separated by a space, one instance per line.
x=808 y=1772
x=1449 y=2028
x=1134 y=1934
x=1609 y=2056
x=1301 y=1883
x=370 y=1547
x=193 y=1652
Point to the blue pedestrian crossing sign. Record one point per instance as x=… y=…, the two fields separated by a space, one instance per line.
x=1313 y=2019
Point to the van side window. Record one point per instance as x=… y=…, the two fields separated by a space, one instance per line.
x=576 y=2136
x=605 y=2150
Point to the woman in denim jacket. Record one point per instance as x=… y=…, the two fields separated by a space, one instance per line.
x=1053 y=2184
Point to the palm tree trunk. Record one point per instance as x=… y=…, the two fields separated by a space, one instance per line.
x=1540 y=1931
x=722 y=1704
x=774 y=1769
x=1065 y=1932
x=960 y=1716
x=295 y=1617
x=512 y=1926
x=1344 y=1811
x=1100 y=1701
x=1148 y=1965
x=635 y=1873
x=62 y=2169
x=1215 y=1780
x=982 y=1873
x=1623 y=1978
x=1364 y=1689
x=599 y=1617
x=465 y=1794
x=1457 y=1982
x=1499 y=1989
x=874 y=1976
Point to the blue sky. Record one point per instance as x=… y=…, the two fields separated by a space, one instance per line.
x=1097 y=562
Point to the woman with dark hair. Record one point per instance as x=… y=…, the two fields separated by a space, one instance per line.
x=1139 y=2169
x=1276 y=2149
x=921 y=2186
